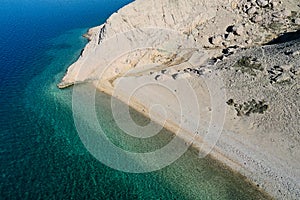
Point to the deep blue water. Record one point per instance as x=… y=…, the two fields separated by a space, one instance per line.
x=41 y=155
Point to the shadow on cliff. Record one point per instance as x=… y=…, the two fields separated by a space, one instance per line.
x=285 y=37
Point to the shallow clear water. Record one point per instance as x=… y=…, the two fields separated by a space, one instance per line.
x=41 y=154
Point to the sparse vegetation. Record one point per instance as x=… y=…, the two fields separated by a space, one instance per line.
x=248 y=65
x=249 y=107
x=275 y=26
x=284 y=74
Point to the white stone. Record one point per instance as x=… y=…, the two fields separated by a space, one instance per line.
x=284 y=77
x=262 y=3
x=239 y=30
x=230 y=36
x=286 y=67
x=278 y=14
x=253 y=2
x=297 y=21
x=257 y=18
x=251 y=11
x=217 y=40
x=286 y=12
x=249 y=41
x=170 y=71
x=296 y=53
x=274 y=4
x=226 y=43
x=183 y=75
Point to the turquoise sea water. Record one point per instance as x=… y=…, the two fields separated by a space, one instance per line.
x=41 y=154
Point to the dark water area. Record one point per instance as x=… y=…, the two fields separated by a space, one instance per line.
x=41 y=154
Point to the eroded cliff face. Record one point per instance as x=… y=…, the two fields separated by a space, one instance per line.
x=217 y=43
x=213 y=25
x=179 y=17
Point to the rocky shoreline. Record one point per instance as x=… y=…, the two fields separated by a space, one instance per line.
x=260 y=134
